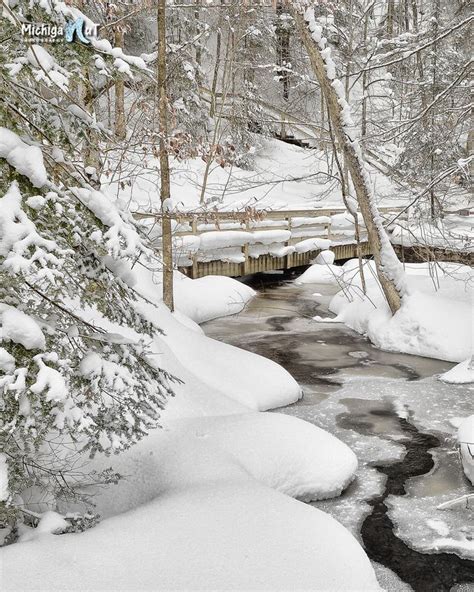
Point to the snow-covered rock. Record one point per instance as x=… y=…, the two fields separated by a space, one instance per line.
x=325 y=258
x=287 y=454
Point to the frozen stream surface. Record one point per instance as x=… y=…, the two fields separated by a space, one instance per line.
x=394 y=413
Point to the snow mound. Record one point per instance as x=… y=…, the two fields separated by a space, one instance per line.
x=283 y=452
x=201 y=299
x=462 y=373
x=321 y=273
x=223 y=368
x=211 y=516
x=249 y=379
x=325 y=258
x=210 y=297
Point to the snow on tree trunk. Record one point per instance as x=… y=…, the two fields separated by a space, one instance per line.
x=389 y=269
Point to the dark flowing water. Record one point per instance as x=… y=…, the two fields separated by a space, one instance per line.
x=278 y=324
x=424 y=572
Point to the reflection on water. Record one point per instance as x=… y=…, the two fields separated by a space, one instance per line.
x=279 y=324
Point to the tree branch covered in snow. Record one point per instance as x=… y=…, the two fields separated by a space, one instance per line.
x=68 y=381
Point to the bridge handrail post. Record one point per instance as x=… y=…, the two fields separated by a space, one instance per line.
x=194 y=269
x=245 y=251
x=289 y=256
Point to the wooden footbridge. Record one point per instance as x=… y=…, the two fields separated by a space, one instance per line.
x=241 y=243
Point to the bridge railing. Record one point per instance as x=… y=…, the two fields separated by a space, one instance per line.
x=242 y=242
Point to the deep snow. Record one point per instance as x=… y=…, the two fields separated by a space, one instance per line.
x=204 y=503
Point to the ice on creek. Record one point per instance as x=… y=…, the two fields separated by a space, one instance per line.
x=425 y=403
x=420 y=523
x=358 y=393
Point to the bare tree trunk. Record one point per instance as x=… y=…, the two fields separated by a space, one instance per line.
x=434 y=82
x=227 y=80
x=390 y=17
x=167 y=248
x=388 y=267
x=198 y=51
x=91 y=151
x=283 y=48
x=365 y=80
x=119 y=95
x=212 y=110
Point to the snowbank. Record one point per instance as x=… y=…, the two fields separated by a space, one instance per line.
x=227 y=369
x=277 y=164
x=219 y=536
x=285 y=453
x=435 y=319
x=279 y=451
x=252 y=380
x=212 y=527
x=203 y=502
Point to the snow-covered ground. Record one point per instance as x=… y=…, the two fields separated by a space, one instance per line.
x=283 y=177
x=455 y=231
x=205 y=502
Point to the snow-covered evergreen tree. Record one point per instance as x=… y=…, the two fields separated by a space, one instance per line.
x=69 y=383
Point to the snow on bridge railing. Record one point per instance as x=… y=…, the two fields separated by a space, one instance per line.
x=235 y=237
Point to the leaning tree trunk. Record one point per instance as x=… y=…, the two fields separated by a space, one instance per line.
x=389 y=269
x=167 y=249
